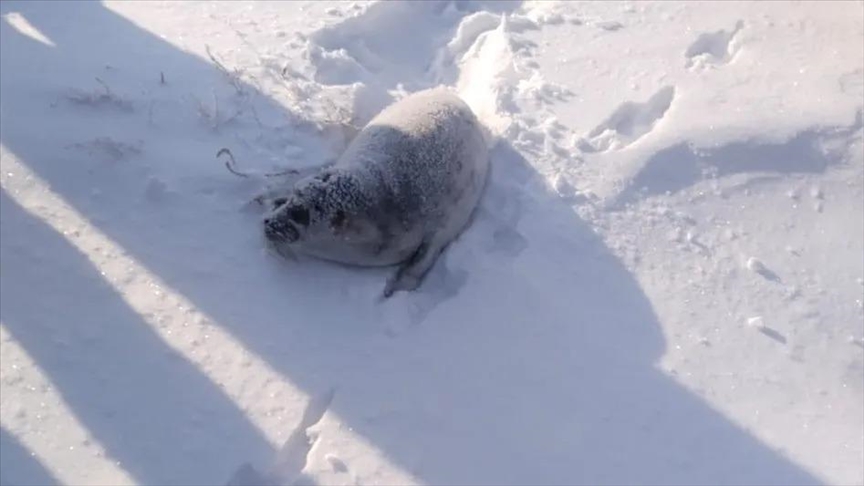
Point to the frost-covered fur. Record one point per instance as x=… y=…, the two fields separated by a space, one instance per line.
x=404 y=188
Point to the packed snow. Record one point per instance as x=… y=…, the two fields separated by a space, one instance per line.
x=663 y=284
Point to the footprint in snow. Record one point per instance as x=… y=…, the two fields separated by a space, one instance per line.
x=713 y=48
x=628 y=123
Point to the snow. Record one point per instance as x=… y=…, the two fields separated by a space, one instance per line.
x=662 y=284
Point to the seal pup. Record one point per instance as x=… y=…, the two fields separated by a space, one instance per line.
x=404 y=188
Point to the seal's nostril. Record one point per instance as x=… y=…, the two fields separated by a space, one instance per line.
x=267 y=221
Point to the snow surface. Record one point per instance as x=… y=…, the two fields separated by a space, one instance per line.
x=664 y=282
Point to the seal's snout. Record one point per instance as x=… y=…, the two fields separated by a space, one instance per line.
x=277 y=229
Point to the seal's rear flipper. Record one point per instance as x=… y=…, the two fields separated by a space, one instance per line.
x=410 y=274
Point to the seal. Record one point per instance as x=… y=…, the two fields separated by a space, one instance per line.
x=405 y=187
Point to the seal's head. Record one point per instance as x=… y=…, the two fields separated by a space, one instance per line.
x=327 y=215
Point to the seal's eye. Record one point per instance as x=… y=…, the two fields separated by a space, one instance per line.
x=278 y=202
x=299 y=215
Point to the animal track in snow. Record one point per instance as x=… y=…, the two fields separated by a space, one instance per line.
x=467 y=32
x=630 y=122
x=713 y=48
x=384 y=45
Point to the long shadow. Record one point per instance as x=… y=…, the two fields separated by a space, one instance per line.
x=153 y=410
x=558 y=365
x=18 y=467
x=537 y=365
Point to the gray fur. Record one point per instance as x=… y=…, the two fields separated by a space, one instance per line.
x=403 y=189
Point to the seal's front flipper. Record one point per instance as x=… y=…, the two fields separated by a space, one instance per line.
x=410 y=273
